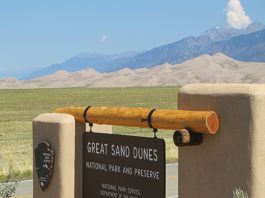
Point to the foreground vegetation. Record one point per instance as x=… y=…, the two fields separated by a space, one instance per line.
x=19 y=107
x=7 y=187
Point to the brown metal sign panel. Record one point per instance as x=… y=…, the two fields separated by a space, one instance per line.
x=44 y=157
x=123 y=166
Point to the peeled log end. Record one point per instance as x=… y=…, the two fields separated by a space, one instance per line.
x=212 y=122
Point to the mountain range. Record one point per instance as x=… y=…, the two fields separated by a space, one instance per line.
x=246 y=45
x=217 y=68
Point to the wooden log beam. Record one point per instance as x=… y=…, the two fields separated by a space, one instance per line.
x=197 y=121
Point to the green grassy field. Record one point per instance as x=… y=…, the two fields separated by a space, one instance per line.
x=19 y=107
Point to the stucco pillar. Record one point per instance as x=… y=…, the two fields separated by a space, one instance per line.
x=64 y=135
x=59 y=131
x=235 y=156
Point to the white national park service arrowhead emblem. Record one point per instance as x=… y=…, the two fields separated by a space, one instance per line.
x=44 y=157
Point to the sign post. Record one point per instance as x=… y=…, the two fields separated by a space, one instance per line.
x=123 y=166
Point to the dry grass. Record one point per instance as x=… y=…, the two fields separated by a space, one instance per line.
x=19 y=107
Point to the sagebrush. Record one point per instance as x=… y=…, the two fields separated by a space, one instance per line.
x=8 y=187
x=239 y=193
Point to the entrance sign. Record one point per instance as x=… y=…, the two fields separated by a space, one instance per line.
x=121 y=166
x=44 y=163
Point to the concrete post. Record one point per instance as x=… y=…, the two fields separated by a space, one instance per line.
x=234 y=157
x=64 y=135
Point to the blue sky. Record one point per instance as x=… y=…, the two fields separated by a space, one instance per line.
x=36 y=34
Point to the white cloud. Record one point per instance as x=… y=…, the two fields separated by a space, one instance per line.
x=236 y=16
x=103 y=38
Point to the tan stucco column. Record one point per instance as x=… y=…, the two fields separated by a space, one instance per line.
x=59 y=130
x=64 y=135
x=235 y=156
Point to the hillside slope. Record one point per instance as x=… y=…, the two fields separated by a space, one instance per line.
x=203 y=69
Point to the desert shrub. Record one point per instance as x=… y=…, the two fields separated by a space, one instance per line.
x=7 y=187
x=238 y=193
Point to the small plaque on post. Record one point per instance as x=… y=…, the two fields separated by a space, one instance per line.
x=123 y=166
x=44 y=157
